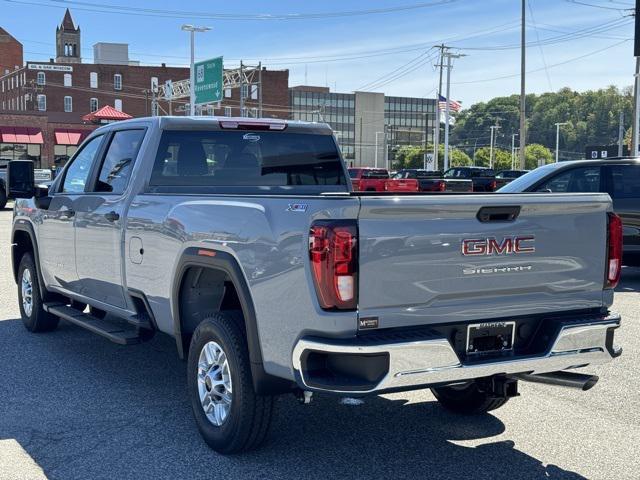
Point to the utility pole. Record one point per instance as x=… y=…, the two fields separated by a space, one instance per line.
x=621 y=135
x=260 y=89
x=241 y=89
x=523 y=50
x=447 y=110
x=636 y=88
x=192 y=74
x=436 y=139
x=493 y=142
x=558 y=125
x=513 y=151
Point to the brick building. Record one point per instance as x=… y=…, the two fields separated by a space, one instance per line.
x=10 y=53
x=65 y=89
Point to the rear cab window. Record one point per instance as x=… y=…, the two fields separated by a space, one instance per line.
x=263 y=159
x=624 y=181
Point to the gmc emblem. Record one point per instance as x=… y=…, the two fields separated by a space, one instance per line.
x=492 y=246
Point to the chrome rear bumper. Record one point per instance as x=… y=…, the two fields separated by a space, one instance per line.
x=434 y=361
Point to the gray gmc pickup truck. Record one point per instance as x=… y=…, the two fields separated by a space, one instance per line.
x=242 y=239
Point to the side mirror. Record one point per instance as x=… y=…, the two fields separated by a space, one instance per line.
x=20 y=179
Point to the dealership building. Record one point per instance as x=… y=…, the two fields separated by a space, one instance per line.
x=367 y=125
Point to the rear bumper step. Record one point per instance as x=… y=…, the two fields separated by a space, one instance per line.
x=121 y=332
x=362 y=368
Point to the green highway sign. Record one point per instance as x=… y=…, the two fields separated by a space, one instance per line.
x=208 y=81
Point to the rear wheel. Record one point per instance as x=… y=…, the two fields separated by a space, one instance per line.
x=231 y=417
x=467 y=399
x=33 y=315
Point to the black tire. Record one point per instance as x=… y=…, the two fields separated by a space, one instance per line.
x=467 y=399
x=249 y=418
x=3 y=197
x=38 y=320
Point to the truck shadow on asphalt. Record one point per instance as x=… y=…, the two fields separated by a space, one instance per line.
x=82 y=407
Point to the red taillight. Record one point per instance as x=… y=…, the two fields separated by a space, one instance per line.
x=333 y=254
x=493 y=185
x=614 y=251
x=442 y=186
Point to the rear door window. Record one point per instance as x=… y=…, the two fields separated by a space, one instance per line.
x=245 y=158
x=118 y=161
x=625 y=181
x=576 y=180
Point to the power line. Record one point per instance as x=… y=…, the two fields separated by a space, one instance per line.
x=544 y=61
x=580 y=57
x=154 y=12
x=604 y=7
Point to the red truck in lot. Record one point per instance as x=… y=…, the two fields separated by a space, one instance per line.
x=369 y=179
x=417 y=180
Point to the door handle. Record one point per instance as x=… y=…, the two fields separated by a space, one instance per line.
x=68 y=213
x=112 y=216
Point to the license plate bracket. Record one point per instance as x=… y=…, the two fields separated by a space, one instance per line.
x=490 y=337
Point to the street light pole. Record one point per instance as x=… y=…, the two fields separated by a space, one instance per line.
x=558 y=125
x=493 y=134
x=192 y=74
x=513 y=151
x=376 y=153
x=447 y=110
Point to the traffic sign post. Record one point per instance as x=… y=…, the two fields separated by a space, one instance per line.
x=208 y=81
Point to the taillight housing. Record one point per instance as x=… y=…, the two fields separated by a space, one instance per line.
x=333 y=253
x=614 y=251
x=442 y=186
x=493 y=185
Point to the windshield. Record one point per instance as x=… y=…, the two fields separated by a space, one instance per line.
x=521 y=184
x=353 y=173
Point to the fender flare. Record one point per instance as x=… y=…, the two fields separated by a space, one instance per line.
x=27 y=227
x=225 y=262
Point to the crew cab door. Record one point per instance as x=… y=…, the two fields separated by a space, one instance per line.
x=56 y=232
x=100 y=220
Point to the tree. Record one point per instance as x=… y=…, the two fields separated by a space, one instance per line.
x=591 y=116
x=410 y=156
x=501 y=158
x=534 y=153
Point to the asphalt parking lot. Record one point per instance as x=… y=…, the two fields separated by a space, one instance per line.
x=73 y=405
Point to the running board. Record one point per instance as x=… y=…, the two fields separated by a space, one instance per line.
x=120 y=333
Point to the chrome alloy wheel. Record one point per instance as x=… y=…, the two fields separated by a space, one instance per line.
x=214 y=383
x=26 y=286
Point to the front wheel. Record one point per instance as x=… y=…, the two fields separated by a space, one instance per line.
x=33 y=315
x=230 y=416
x=467 y=399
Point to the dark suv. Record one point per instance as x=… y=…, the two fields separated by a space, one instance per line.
x=620 y=178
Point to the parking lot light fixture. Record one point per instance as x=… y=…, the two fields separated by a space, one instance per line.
x=192 y=79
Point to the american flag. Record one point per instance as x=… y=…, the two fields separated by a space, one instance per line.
x=453 y=105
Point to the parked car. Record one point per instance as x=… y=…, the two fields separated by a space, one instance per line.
x=510 y=175
x=240 y=238
x=619 y=178
x=3 y=186
x=416 y=180
x=368 y=179
x=484 y=179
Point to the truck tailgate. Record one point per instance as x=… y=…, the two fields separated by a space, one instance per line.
x=413 y=270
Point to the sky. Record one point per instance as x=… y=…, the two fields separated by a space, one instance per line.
x=581 y=44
